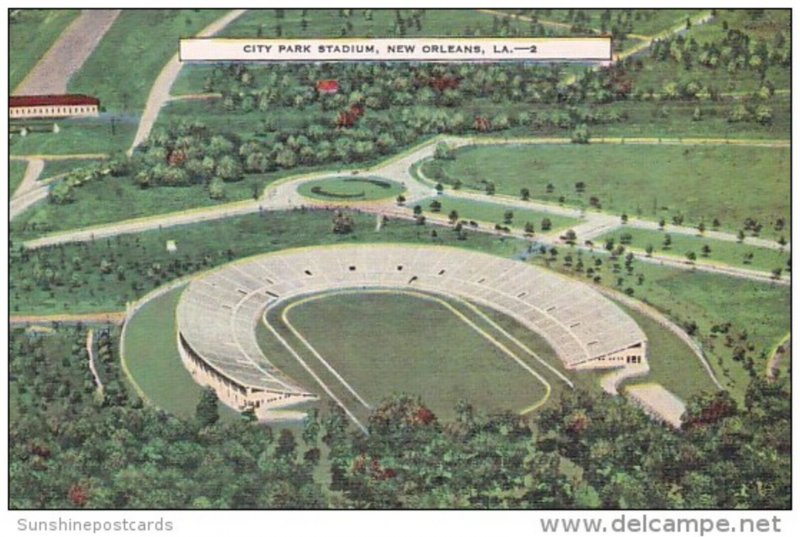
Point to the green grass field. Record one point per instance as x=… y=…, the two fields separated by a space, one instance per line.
x=54 y=168
x=77 y=136
x=376 y=23
x=113 y=199
x=672 y=363
x=151 y=354
x=16 y=173
x=698 y=182
x=495 y=212
x=725 y=252
x=758 y=313
x=385 y=342
x=78 y=283
x=31 y=33
x=125 y=64
x=344 y=189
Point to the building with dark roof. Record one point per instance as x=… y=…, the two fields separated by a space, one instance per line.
x=48 y=106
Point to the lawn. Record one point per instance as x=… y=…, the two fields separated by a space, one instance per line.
x=55 y=168
x=76 y=136
x=697 y=182
x=725 y=252
x=758 y=312
x=672 y=363
x=105 y=274
x=16 y=173
x=344 y=189
x=31 y=33
x=495 y=212
x=373 y=340
x=113 y=199
x=646 y=21
x=151 y=355
x=123 y=67
x=374 y=23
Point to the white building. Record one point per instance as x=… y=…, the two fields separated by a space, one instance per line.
x=51 y=106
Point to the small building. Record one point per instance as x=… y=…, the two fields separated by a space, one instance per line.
x=49 y=106
x=328 y=87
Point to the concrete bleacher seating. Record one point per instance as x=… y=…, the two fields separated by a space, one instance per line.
x=218 y=312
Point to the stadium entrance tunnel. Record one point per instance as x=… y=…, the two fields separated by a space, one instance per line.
x=219 y=311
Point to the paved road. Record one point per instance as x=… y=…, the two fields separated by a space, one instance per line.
x=29 y=191
x=283 y=195
x=112 y=317
x=52 y=73
x=159 y=93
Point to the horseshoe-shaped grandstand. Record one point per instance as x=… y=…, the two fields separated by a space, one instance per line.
x=218 y=312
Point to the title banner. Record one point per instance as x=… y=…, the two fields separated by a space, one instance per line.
x=476 y=49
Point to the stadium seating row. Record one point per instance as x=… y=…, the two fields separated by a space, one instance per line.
x=218 y=312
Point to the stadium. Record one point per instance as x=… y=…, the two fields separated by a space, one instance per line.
x=219 y=312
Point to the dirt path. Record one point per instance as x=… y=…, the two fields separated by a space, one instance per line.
x=781 y=352
x=92 y=368
x=28 y=192
x=159 y=93
x=545 y=22
x=72 y=156
x=112 y=317
x=32 y=173
x=53 y=71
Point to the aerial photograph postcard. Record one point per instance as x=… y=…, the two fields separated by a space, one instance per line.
x=529 y=258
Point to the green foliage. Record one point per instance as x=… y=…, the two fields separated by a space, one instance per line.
x=207 y=412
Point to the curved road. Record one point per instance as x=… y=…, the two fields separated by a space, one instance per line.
x=283 y=195
x=159 y=93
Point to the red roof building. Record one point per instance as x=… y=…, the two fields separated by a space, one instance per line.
x=328 y=86
x=45 y=106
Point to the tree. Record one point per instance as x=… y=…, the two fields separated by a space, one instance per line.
x=624 y=218
x=343 y=223
x=443 y=152
x=490 y=188
x=529 y=230
x=401 y=199
x=286 y=444
x=667 y=241
x=417 y=210
x=207 y=410
x=525 y=194
x=691 y=256
x=546 y=224
x=581 y=134
x=436 y=206
x=649 y=250
x=453 y=217
x=706 y=250
x=216 y=189
x=508 y=216
x=439 y=188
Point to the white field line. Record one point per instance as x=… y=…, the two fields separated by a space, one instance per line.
x=472 y=325
x=317 y=355
x=517 y=342
x=310 y=371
